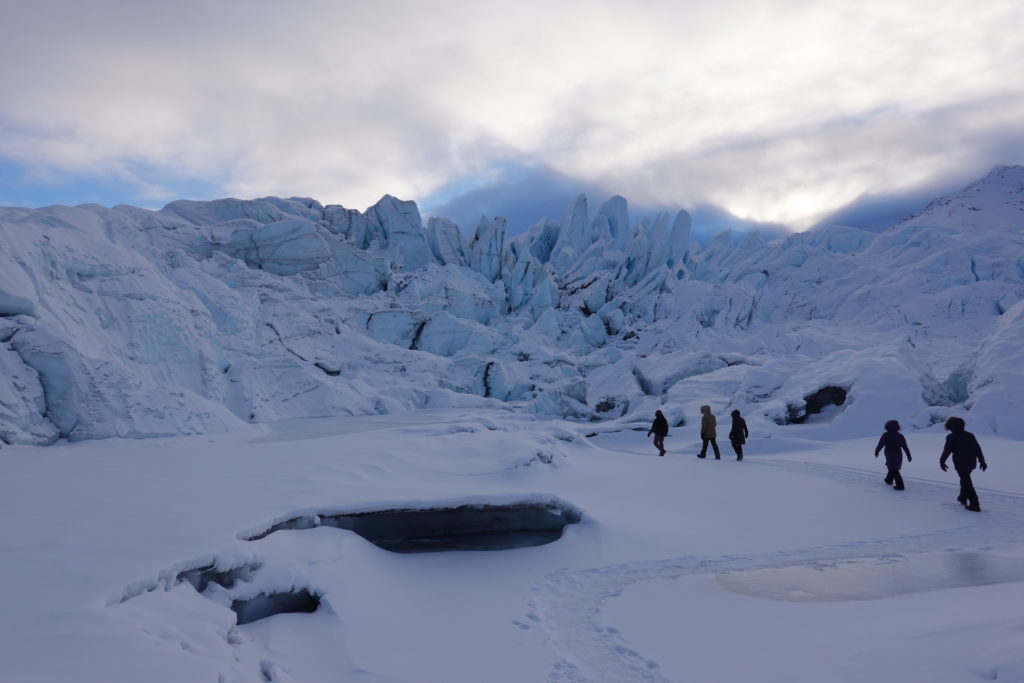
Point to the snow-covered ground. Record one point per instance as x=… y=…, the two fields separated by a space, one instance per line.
x=201 y=406
x=797 y=564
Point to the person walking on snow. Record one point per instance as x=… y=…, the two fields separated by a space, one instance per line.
x=894 y=444
x=708 y=433
x=660 y=430
x=738 y=434
x=967 y=455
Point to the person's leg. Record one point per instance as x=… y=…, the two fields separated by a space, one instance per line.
x=888 y=476
x=968 y=488
x=659 y=443
x=703 y=448
x=738 y=448
x=718 y=453
x=898 y=479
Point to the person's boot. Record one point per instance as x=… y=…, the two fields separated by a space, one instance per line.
x=974 y=508
x=961 y=499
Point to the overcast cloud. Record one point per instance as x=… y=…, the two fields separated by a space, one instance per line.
x=777 y=112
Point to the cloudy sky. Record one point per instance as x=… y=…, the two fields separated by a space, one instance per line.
x=776 y=112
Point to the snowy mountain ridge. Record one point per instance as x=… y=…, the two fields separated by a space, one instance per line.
x=204 y=316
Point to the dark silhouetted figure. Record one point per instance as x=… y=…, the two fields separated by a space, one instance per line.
x=894 y=444
x=967 y=455
x=708 y=433
x=660 y=430
x=738 y=434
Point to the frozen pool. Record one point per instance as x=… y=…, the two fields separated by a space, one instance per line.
x=871 y=578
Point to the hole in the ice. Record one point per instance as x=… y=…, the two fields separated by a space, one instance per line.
x=268 y=604
x=201 y=577
x=465 y=527
x=824 y=402
x=608 y=403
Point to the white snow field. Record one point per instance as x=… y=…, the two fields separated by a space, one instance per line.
x=796 y=564
x=276 y=441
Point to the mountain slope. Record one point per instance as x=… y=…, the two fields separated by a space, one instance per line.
x=206 y=315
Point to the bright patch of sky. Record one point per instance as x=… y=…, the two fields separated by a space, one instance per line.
x=149 y=187
x=774 y=112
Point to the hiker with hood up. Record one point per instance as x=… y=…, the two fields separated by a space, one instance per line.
x=967 y=455
x=738 y=434
x=708 y=433
x=894 y=444
x=660 y=430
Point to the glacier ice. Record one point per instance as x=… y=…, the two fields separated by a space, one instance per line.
x=204 y=316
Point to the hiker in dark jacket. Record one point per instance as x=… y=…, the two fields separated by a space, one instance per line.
x=738 y=434
x=708 y=433
x=660 y=430
x=894 y=444
x=967 y=455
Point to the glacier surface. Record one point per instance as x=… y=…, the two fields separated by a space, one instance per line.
x=204 y=317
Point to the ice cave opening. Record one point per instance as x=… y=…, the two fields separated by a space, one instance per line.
x=817 y=403
x=268 y=604
x=436 y=529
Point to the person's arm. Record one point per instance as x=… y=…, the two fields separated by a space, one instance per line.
x=905 y=447
x=981 y=456
x=946 y=450
x=881 y=442
x=746 y=434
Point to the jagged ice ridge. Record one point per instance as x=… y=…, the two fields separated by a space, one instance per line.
x=205 y=316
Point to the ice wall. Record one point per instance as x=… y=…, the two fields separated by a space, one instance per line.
x=204 y=316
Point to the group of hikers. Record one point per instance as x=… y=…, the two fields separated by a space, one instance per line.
x=708 y=433
x=962 y=445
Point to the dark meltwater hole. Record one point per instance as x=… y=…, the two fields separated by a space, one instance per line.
x=465 y=527
x=268 y=604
